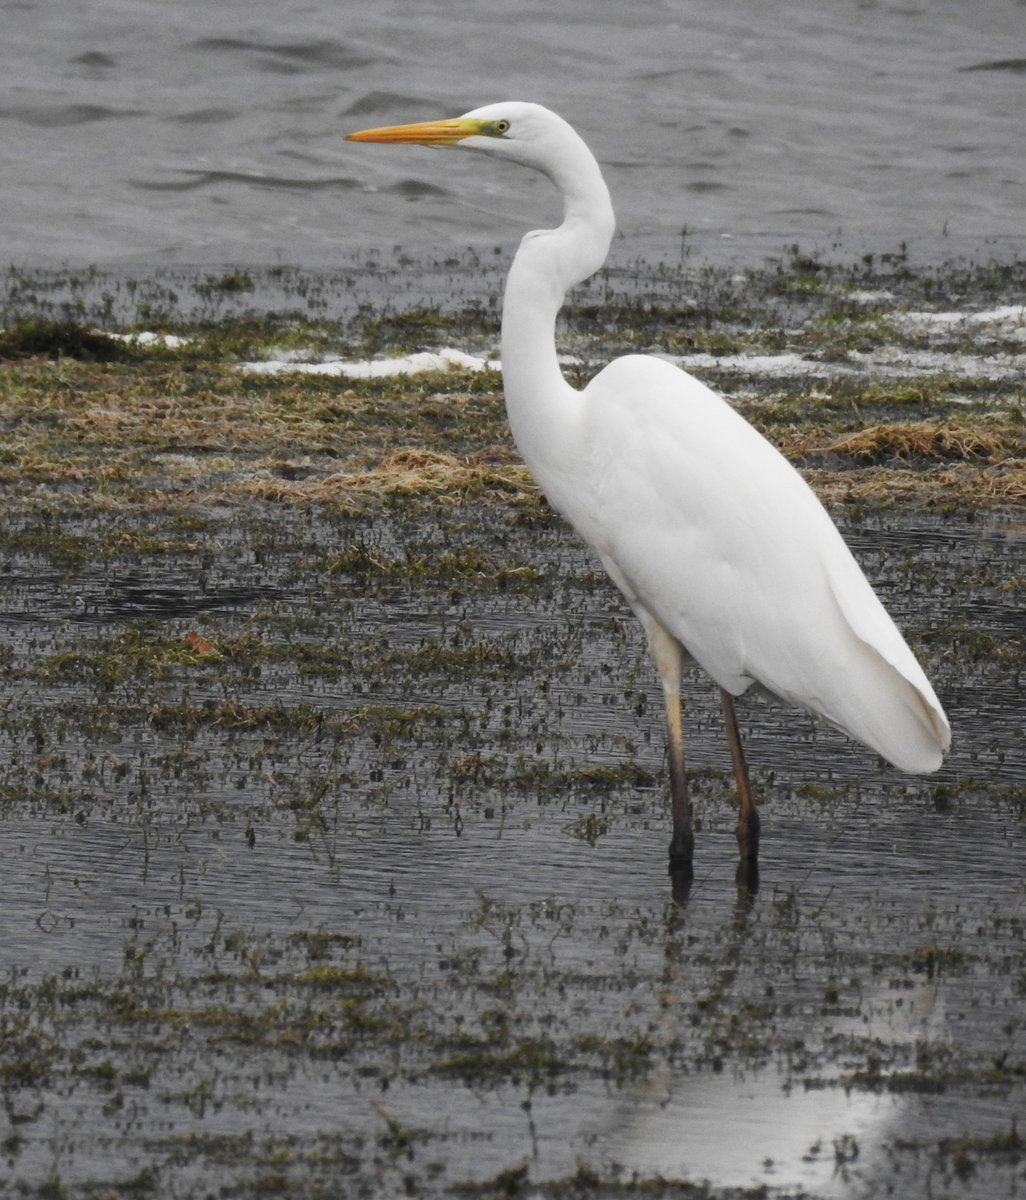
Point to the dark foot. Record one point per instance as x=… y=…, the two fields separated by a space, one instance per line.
x=682 y=873
x=682 y=876
x=747 y=880
x=747 y=877
x=748 y=837
x=682 y=848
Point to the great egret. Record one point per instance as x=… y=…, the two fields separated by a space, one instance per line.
x=720 y=547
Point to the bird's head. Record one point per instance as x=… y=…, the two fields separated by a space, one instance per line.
x=535 y=137
x=525 y=133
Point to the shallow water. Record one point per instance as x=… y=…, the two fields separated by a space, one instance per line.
x=213 y=133
x=183 y=858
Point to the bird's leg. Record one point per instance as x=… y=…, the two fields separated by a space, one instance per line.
x=668 y=654
x=747 y=814
x=682 y=842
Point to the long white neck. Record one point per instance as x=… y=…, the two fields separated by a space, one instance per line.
x=544 y=411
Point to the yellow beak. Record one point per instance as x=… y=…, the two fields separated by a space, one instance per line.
x=422 y=133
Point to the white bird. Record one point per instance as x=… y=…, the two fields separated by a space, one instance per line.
x=720 y=547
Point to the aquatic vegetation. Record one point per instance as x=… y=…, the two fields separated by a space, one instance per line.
x=42 y=338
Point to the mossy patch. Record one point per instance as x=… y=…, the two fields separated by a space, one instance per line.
x=40 y=338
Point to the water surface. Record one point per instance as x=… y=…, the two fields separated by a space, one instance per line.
x=208 y=134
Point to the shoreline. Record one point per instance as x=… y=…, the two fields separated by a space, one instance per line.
x=397 y=278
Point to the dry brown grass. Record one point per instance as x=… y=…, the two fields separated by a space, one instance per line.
x=980 y=461
x=961 y=485
x=407 y=472
x=923 y=440
x=171 y=435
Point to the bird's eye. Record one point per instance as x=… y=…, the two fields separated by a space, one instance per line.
x=502 y=126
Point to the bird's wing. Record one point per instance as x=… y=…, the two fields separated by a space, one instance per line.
x=716 y=536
